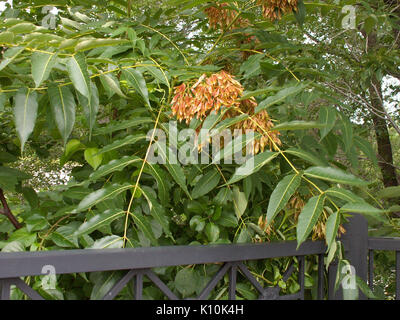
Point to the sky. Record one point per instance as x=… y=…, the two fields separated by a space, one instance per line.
x=3 y=4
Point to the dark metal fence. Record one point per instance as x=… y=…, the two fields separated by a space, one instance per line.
x=385 y=244
x=139 y=262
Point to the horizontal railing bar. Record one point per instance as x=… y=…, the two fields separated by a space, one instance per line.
x=384 y=244
x=19 y=264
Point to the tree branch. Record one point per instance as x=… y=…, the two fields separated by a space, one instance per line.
x=7 y=211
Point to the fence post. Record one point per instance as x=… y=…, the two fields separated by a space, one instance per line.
x=355 y=243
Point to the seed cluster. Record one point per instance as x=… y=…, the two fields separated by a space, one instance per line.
x=220 y=16
x=319 y=231
x=297 y=204
x=206 y=95
x=263 y=224
x=219 y=91
x=274 y=9
x=261 y=123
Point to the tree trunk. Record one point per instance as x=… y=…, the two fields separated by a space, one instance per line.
x=385 y=155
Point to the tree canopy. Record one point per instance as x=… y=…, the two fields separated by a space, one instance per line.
x=93 y=89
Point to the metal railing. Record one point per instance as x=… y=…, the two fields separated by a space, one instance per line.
x=384 y=244
x=139 y=262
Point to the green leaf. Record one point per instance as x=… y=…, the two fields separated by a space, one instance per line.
x=36 y=223
x=102 y=194
x=62 y=240
x=327 y=117
x=389 y=192
x=15 y=173
x=31 y=196
x=156 y=210
x=9 y=56
x=174 y=169
x=197 y=223
x=206 y=183
x=308 y=217
x=235 y=145
x=76 y=193
x=71 y=148
x=227 y=123
x=9 y=177
x=105 y=281
x=6 y=37
x=239 y=202
x=252 y=165
x=212 y=232
x=297 y=125
x=98 y=221
x=343 y=194
x=70 y=23
x=162 y=181
x=3 y=100
x=96 y=43
x=156 y=73
x=248 y=94
x=136 y=79
x=93 y=157
x=90 y=107
x=255 y=65
x=228 y=220
x=331 y=254
x=8 y=183
x=213 y=119
x=244 y=236
x=68 y=44
x=280 y=96
x=347 y=132
x=108 y=242
x=13 y=246
x=367 y=291
x=186 y=282
x=113 y=166
x=363 y=208
x=79 y=75
x=25 y=113
x=123 y=142
x=23 y=236
x=132 y=37
x=281 y=195
x=6 y=157
x=224 y=195
x=369 y=23
x=366 y=147
x=334 y=175
x=111 y=83
x=144 y=226
x=309 y=157
x=42 y=63
x=121 y=125
x=63 y=107
x=23 y=27
x=332 y=226
x=300 y=13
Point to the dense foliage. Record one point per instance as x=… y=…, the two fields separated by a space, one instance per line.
x=86 y=85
